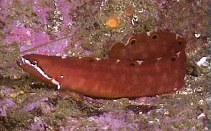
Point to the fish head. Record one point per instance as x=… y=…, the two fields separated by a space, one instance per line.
x=35 y=65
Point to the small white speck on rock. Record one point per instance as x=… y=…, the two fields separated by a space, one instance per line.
x=202 y=62
x=150 y=122
x=197 y=35
x=201 y=116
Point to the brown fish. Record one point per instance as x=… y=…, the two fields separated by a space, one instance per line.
x=149 y=64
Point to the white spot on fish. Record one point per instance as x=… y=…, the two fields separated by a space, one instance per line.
x=149 y=33
x=97 y=59
x=178 y=54
x=117 y=61
x=178 y=36
x=62 y=76
x=79 y=57
x=158 y=59
x=64 y=56
x=139 y=62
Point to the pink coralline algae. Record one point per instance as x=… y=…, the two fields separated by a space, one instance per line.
x=41 y=12
x=31 y=37
x=6 y=91
x=5 y=104
x=42 y=104
x=115 y=121
x=38 y=124
x=112 y=121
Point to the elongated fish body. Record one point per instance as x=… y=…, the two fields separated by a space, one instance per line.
x=148 y=64
x=108 y=78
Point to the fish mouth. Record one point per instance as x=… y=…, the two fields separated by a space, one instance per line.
x=21 y=61
x=26 y=65
x=31 y=66
x=26 y=60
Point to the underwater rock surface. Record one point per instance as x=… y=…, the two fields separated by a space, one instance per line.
x=89 y=28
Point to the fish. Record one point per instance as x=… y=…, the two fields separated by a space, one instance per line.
x=150 y=45
x=149 y=64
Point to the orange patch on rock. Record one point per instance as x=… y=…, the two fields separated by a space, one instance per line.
x=113 y=22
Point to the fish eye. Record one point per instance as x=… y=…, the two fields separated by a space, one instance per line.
x=34 y=62
x=154 y=36
x=173 y=59
x=133 y=41
x=180 y=42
